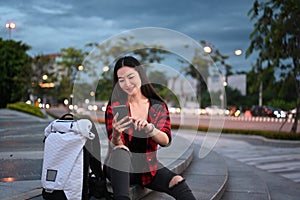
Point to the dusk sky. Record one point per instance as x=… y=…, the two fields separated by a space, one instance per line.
x=47 y=26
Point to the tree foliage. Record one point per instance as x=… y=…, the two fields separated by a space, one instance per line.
x=72 y=58
x=15 y=74
x=103 y=54
x=204 y=65
x=43 y=65
x=276 y=39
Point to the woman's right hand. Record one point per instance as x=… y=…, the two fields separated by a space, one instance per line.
x=121 y=125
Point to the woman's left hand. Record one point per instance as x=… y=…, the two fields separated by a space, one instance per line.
x=141 y=124
x=157 y=135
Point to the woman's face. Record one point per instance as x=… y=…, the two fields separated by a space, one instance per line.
x=129 y=80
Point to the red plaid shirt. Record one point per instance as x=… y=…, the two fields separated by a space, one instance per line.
x=159 y=116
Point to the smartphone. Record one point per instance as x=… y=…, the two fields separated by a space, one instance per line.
x=122 y=110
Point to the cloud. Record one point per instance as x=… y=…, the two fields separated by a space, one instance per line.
x=53 y=7
x=48 y=26
x=49 y=10
x=9 y=14
x=76 y=33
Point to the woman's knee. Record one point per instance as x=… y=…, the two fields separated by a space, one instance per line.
x=175 y=180
x=120 y=152
x=180 y=190
x=120 y=159
x=121 y=147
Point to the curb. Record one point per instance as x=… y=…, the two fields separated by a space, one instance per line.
x=27 y=195
x=218 y=195
x=259 y=140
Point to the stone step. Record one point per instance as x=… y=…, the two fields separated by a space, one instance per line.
x=177 y=158
x=207 y=177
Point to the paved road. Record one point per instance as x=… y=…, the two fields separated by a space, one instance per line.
x=281 y=159
x=21 y=145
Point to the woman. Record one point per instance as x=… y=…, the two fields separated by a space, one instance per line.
x=134 y=139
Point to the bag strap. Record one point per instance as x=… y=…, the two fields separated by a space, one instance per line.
x=67 y=116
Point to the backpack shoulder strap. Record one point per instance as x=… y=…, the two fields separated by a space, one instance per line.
x=67 y=116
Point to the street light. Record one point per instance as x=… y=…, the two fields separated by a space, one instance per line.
x=238 y=52
x=105 y=68
x=45 y=77
x=80 y=68
x=207 y=49
x=10 y=26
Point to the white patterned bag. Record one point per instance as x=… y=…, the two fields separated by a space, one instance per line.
x=63 y=156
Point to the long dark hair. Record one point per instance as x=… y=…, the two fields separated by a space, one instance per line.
x=147 y=88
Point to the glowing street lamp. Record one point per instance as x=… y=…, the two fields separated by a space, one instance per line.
x=45 y=77
x=10 y=26
x=92 y=93
x=105 y=68
x=80 y=68
x=207 y=49
x=238 y=52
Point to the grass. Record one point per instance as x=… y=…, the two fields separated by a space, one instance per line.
x=267 y=134
x=26 y=108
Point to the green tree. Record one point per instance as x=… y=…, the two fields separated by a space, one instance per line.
x=276 y=39
x=218 y=59
x=122 y=45
x=160 y=83
x=252 y=88
x=72 y=58
x=16 y=71
x=201 y=69
x=104 y=53
x=286 y=90
x=43 y=65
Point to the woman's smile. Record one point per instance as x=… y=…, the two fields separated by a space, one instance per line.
x=129 y=79
x=129 y=90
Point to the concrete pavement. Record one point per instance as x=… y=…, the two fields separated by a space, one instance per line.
x=239 y=167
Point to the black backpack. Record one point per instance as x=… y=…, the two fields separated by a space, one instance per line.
x=94 y=181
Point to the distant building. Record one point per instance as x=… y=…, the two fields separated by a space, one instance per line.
x=215 y=83
x=239 y=82
x=185 y=90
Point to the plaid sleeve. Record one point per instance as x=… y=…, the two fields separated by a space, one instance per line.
x=108 y=121
x=162 y=119
x=165 y=121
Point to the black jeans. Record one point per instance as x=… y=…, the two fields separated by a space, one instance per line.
x=118 y=172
